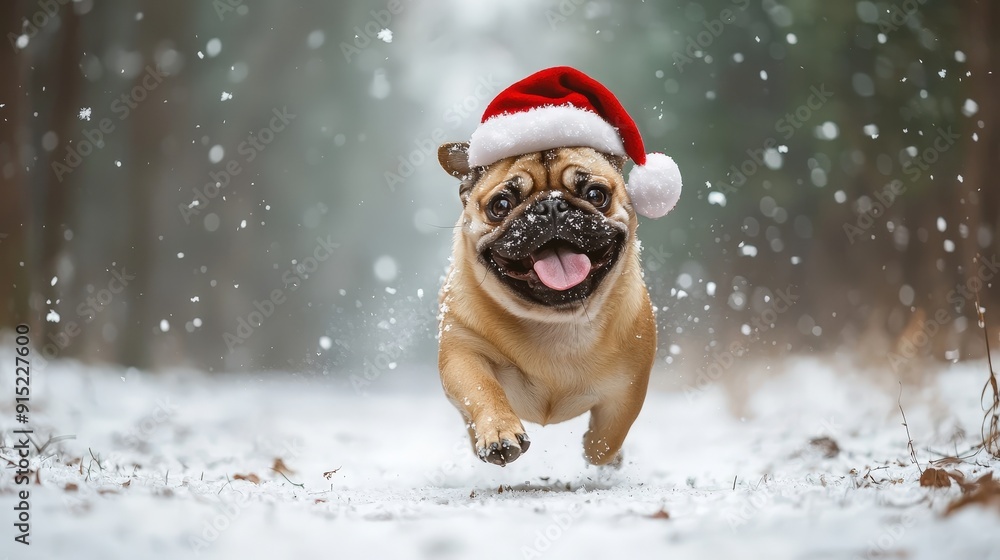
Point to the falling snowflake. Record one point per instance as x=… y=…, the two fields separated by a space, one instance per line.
x=84 y=114
x=226 y=96
x=716 y=197
x=385 y=35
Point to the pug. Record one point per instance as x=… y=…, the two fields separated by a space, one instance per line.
x=544 y=314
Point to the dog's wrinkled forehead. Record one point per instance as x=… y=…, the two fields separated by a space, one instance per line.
x=564 y=170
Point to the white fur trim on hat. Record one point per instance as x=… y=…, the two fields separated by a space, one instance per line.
x=655 y=187
x=542 y=128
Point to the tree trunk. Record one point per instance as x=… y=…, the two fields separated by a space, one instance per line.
x=15 y=218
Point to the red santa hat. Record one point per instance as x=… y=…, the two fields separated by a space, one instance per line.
x=562 y=107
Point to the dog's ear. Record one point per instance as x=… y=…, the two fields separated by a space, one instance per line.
x=454 y=158
x=617 y=161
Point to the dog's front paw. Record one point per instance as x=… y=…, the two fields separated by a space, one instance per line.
x=500 y=441
x=503 y=451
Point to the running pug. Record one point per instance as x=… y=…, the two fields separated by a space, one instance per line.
x=544 y=313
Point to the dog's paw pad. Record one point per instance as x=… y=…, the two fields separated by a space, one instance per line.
x=504 y=451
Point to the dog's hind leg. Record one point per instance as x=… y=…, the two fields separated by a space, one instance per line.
x=610 y=422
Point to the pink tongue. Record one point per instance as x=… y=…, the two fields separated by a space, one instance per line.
x=561 y=269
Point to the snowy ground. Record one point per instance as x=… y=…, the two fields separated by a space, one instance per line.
x=151 y=472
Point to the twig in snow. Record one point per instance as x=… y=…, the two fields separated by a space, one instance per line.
x=909 y=440
x=303 y=486
x=52 y=440
x=95 y=459
x=228 y=483
x=329 y=474
x=991 y=420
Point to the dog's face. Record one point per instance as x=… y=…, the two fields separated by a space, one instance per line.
x=548 y=230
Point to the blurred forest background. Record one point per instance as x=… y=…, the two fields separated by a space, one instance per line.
x=171 y=169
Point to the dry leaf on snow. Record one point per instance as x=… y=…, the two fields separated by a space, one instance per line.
x=280 y=467
x=248 y=477
x=985 y=492
x=935 y=478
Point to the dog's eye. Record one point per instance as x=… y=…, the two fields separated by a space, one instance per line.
x=598 y=196
x=500 y=206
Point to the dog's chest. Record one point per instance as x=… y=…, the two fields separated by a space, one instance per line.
x=556 y=380
x=547 y=399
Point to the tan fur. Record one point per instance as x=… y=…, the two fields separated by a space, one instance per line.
x=503 y=359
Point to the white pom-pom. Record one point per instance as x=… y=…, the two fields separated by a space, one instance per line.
x=655 y=187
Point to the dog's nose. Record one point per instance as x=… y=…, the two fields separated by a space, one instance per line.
x=554 y=207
